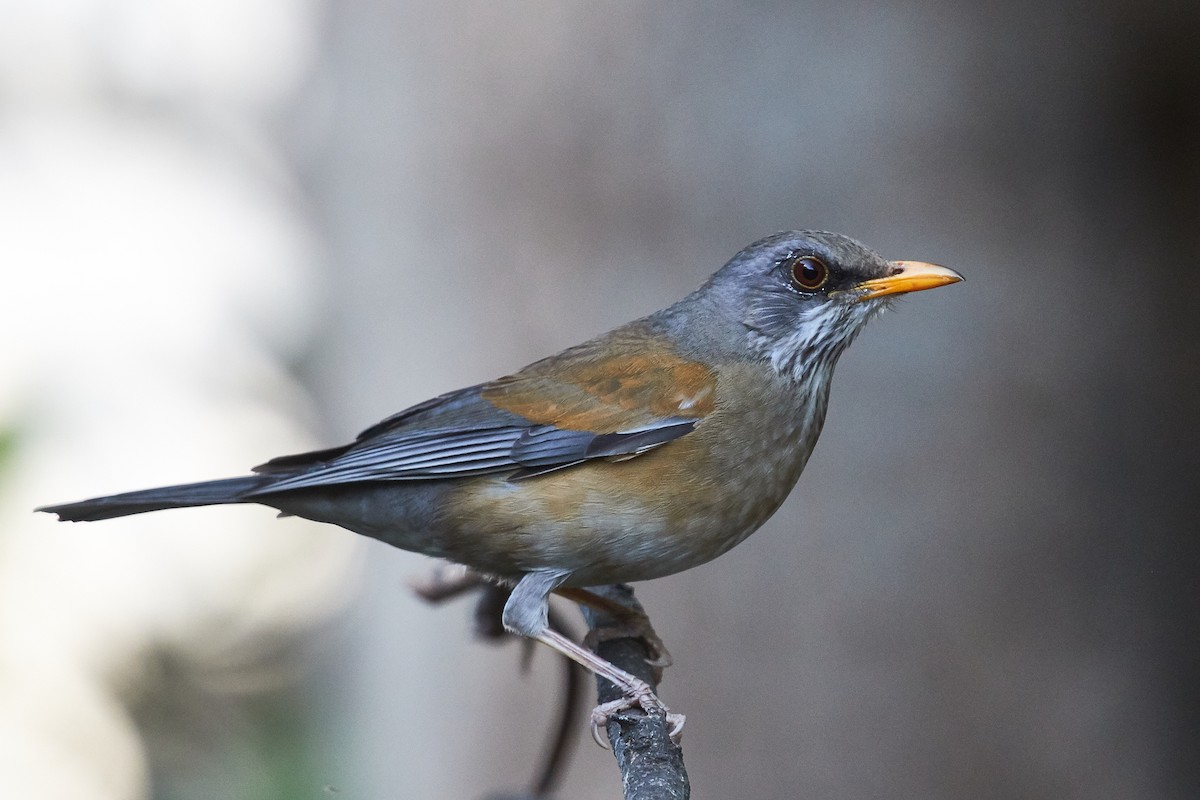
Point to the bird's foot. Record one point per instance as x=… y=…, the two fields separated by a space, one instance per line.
x=647 y=701
x=630 y=623
x=446 y=581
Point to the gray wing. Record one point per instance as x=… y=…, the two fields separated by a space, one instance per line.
x=459 y=435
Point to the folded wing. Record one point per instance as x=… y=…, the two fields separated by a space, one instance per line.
x=613 y=398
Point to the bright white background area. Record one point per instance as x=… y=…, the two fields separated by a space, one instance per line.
x=158 y=275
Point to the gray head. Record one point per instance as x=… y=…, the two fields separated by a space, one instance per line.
x=803 y=296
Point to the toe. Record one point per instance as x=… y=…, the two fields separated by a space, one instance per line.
x=597 y=735
x=675 y=723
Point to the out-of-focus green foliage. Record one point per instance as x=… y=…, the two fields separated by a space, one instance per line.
x=9 y=437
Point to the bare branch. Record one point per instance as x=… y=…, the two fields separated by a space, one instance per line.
x=651 y=764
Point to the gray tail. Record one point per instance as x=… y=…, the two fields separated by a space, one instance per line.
x=209 y=493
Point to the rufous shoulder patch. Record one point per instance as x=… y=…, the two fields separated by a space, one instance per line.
x=621 y=381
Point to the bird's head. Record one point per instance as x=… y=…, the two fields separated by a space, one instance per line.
x=802 y=296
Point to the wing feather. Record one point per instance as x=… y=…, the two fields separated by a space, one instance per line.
x=583 y=404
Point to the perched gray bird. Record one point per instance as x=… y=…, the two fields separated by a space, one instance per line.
x=643 y=452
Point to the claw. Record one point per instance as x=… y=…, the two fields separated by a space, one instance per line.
x=637 y=628
x=676 y=722
x=597 y=737
x=444 y=581
x=662 y=660
x=647 y=702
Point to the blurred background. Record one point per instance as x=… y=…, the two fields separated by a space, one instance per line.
x=230 y=230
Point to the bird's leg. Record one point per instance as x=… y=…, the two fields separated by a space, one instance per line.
x=631 y=624
x=525 y=613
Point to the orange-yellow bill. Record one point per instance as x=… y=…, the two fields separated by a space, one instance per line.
x=909 y=276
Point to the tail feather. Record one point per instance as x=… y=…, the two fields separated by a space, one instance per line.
x=208 y=493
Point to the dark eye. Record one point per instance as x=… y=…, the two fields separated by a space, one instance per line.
x=809 y=273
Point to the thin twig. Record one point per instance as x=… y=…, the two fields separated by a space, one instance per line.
x=570 y=716
x=444 y=585
x=651 y=764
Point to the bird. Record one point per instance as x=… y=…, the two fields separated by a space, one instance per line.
x=641 y=453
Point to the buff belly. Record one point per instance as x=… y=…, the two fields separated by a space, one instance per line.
x=663 y=512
